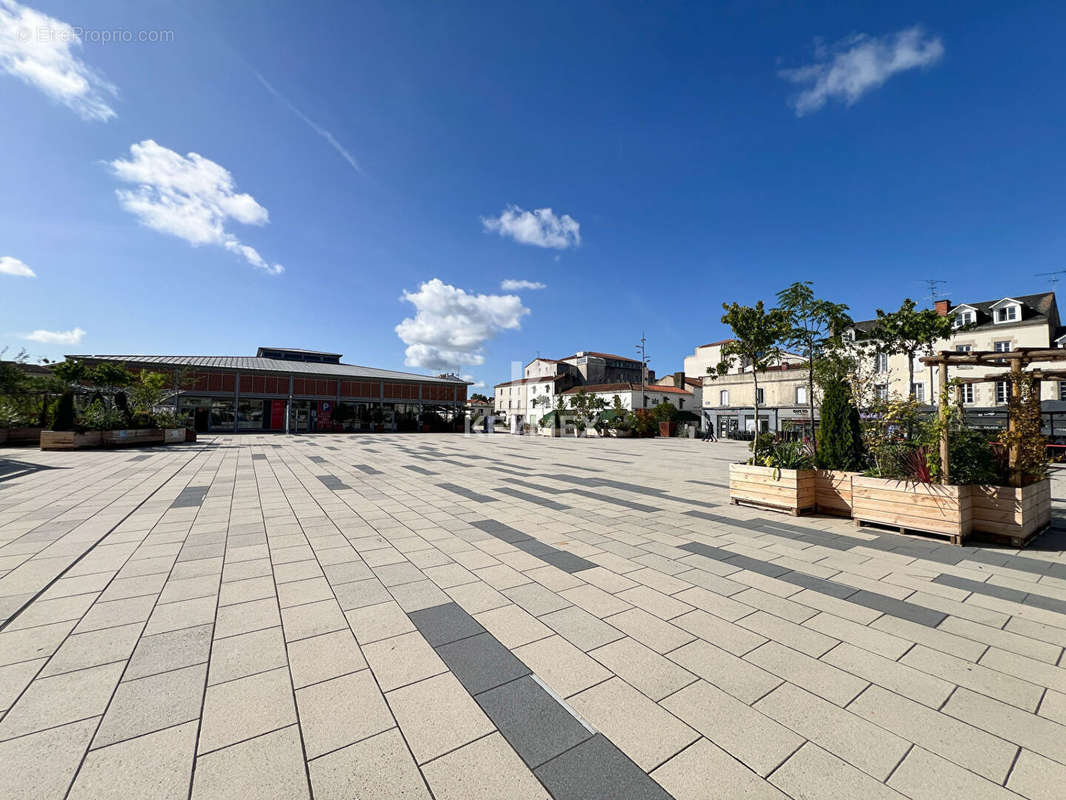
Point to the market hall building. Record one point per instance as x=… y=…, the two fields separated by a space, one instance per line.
x=287 y=389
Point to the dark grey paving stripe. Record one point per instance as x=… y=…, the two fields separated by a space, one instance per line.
x=467 y=493
x=369 y=470
x=190 y=497
x=420 y=470
x=141 y=457
x=332 y=482
x=317 y=459
x=565 y=561
x=258 y=457
x=597 y=770
x=605 y=498
x=546 y=735
x=1004 y=593
x=878 y=602
x=531 y=498
x=709 y=483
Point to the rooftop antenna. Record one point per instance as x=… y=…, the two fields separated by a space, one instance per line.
x=935 y=289
x=1053 y=277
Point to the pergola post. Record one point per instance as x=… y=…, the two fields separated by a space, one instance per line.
x=945 y=460
x=1015 y=451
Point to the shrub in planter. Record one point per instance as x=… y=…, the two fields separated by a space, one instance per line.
x=839 y=433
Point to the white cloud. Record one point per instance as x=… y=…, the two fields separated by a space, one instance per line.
x=450 y=326
x=40 y=50
x=341 y=149
x=539 y=227
x=854 y=66
x=512 y=285
x=55 y=337
x=190 y=197
x=12 y=266
x=474 y=382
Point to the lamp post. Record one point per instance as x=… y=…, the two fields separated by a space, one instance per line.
x=642 y=349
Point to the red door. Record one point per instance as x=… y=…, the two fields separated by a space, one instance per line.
x=277 y=415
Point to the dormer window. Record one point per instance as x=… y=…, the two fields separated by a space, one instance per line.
x=1006 y=314
x=964 y=317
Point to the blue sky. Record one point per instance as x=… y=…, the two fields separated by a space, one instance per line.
x=690 y=154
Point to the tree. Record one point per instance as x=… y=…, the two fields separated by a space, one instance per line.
x=64 y=418
x=840 y=436
x=586 y=406
x=812 y=324
x=908 y=331
x=478 y=397
x=755 y=344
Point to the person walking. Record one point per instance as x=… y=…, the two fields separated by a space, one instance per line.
x=708 y=432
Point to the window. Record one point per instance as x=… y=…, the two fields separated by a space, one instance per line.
x=919 y=392
x=881 y=391
x=1007 y=314
x=760 y=396
x=881 y=362
x=723 y=397
x=963 y=318
x=1062 y=390
x=1002 y=346
x=1002 y=391
x=963 y=348
x=681 y=402
x=801 y=395
x=967 y=392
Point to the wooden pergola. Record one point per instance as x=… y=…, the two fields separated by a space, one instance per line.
x=1016 y=361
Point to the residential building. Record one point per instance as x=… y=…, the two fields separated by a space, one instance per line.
x=525 y=400
x=729 y=401
x=283 y=388
x=679 y=380
x=630 y=394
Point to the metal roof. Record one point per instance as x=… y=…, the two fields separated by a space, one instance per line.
x=257 y=364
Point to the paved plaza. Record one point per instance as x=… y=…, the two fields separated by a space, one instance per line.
x=450 y=617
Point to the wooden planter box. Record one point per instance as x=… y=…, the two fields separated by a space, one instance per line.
x=190 y=434
x=70 y=440
x=133 y=438
x=553 y=432
x=906 y=506
x=791 y=490
x=615 y=433
x=832 y=490
x=173 y=435
x=667 y=428
x=1013 y=515
x=18 y=436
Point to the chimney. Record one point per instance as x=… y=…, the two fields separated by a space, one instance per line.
x=679 y=380
x=942 y=307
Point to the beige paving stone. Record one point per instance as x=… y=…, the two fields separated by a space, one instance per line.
x=639 y=727
x=660 y=581
x=945 y=736
x=16 y=677
x=549 y=577
x=372 y=623
x=72 y=696
x=246 y=654
x=1037 y=630
x=1053 y=706
x=16 y=646
x=157 y=765
x=91 y=649
x=931 y=637
x=309 y=590
x=117 y=612
x=561 y=665
x=581 y=628
x=312 y=619
x=925 y=776
x=1024 y=668
x=437 y=715
x=1003 y=639
x=248 y=589
x=607 y=580
x=477 y=597
x=997 y=684
x=745 y=681
x=643 y=668
x=1036 y=777
x=149 y=704
x=788 y=633
x=487 y=769
x=748 y=735
x=341 y=711
x=323 y=657
x=727 y=608
x=884 y=644
x=651 y=631
x=813 y=773
x=379 y=766
x=775 y=606
x=536 y=599
x=815 y=676
x=705 y=771
x=513 y=626
x=860 y=743
x=43 y=764
x=899 y=678
x=403 y=659
x=46 y=612
x=595 y=601
x=418 y=595
x=268 y=767
x=1043 y=736
x=244 y=708
x=170 y=650
x=247 y=617
x=501 y=576
x=183 y=614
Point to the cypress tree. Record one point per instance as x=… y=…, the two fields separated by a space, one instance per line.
x=839 y=434
x=64 y=417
